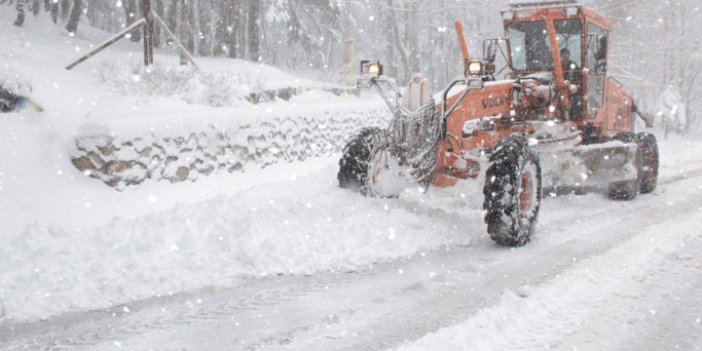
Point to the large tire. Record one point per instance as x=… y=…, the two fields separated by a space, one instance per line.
x=512 y=192
x=590 y=134
x=625 y=190
x=625 y=137
x=648 y=167
x=353 y=165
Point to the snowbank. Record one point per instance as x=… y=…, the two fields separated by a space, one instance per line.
x=295 y=227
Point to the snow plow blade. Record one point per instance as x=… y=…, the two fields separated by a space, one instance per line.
x=589 y=167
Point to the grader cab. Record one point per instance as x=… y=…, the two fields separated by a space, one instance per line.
x=554 y=121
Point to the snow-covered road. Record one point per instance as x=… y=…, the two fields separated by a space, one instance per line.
x=416 y=273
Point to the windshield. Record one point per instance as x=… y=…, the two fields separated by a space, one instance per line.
x=530 y=49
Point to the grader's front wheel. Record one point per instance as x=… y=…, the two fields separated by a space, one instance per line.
x=353 y=165
x=512 y=192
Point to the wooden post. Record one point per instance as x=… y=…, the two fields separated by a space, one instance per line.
x=108 y=43
x=148 y=33
x=149 y=21
x=349 y=58
x=176 y=42
x=183 y=29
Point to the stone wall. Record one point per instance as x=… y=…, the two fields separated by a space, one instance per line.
x=129 y=161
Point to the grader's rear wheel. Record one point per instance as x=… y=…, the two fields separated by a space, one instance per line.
x=625 y=190
x=648 y=169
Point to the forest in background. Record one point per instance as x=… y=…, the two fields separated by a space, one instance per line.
x=654 y=51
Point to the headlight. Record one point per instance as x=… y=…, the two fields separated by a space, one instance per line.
x=371 y=68
x=475 y=68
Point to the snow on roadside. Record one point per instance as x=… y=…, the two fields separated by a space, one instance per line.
x=293 y=227
x=69 y=243
x=38 y=182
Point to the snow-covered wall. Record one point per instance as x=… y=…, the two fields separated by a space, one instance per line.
x=129 y=160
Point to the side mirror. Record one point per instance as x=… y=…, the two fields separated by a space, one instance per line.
x=489 y=50
x=597 y=53
x=601 y=52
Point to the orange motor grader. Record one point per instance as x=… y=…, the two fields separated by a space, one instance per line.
x=554 y=121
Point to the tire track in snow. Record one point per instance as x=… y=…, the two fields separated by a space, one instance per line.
x=680 y=177
x=657 y=311
x=125 y=320
x=553 y=242
x=556 y=242
x=559 y=307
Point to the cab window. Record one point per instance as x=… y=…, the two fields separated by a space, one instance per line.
x=530 y=49
x=596 y=75
x=569 y=36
